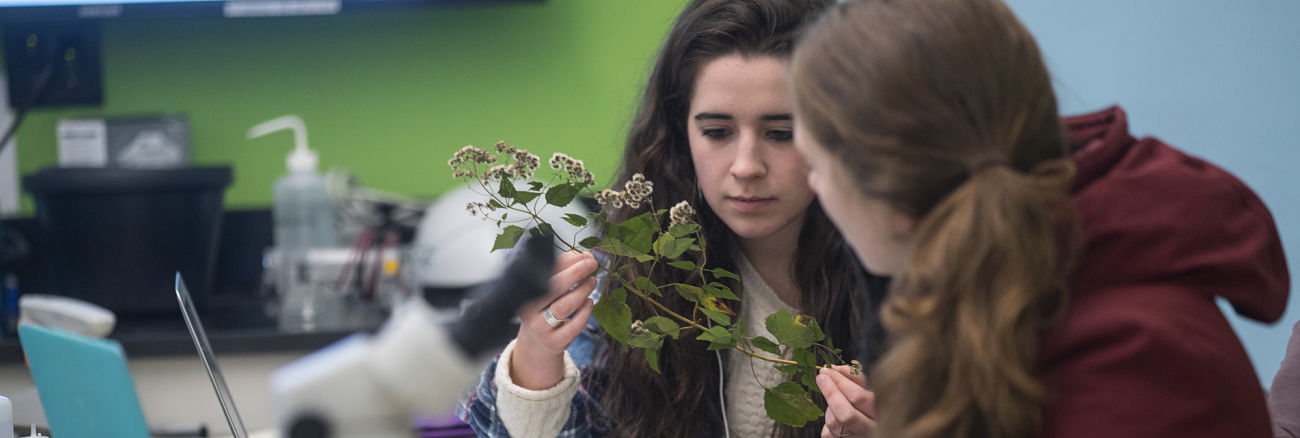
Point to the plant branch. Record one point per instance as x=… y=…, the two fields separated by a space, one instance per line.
x=697 y=325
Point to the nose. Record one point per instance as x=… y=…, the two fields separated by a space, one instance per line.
x=749 y=162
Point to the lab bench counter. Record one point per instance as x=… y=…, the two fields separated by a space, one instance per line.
x=173 y=387
x=235 y=342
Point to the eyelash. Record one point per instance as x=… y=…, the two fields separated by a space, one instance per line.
x=779 y=135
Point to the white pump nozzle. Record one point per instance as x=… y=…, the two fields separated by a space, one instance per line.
x=301 y=159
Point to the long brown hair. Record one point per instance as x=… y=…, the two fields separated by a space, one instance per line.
x=944 y=110
x=683 y=399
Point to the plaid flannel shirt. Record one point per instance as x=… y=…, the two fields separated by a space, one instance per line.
x=479 y=409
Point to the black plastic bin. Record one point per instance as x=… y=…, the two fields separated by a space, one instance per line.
x=116 y=237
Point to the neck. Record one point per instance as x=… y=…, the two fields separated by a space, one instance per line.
x=773 y=257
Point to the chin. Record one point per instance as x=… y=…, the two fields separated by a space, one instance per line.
x=751 y=230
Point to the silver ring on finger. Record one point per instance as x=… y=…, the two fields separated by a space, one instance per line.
x=551 y=319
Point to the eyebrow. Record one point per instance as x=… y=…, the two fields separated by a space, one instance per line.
x=721 y=116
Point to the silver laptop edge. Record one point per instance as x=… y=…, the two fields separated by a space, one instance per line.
x=209 y=359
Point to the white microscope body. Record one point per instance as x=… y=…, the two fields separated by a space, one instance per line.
x=372 y=386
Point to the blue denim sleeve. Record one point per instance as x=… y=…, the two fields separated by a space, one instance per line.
x=479 y=409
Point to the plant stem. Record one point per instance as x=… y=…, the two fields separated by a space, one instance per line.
x=697 y=325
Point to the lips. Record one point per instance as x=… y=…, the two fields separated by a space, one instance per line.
x=748 y=204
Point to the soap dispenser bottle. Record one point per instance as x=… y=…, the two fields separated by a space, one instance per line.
x=303 y=219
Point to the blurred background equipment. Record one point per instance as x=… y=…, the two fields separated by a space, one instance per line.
x=450 y=252
x=321 y=283
x=113 y=237
x=374 y=386
x=139 y=142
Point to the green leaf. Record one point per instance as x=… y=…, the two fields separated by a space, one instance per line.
x=662 y=325
x=718 y=338
x=637 y=232
x=789 y=404
x=652 y=358
x=818 y=335
x=647 y=286
x=765 y=344
x=508 y=238
x=590 y=242
x=683 y=230
x=665 y=243
x=789 y=369
x=617 y=247
x=526 y=197
x=723 y=273
x=790 y=332
x=685 y=265
x=646 y=340
x=613 y=315
x=561 y=195
x=575 y=219
x=805 y=358
x=651 y=342
x=546 y=229
x=810 y=380
x=691 y=293
x=721 y=291
x=680 y=246
x=827 y=357
x=507 y=189
x=716 y=316
x=495 y=203
x=671 y=247
x=536 y=186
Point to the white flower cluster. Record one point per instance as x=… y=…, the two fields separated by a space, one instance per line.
x=638 y=327
x=472 y=155
x=681 y=214
x=634 y=193
x=523 y=165
x=574 y=168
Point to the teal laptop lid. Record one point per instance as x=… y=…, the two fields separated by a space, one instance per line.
x=84 y=384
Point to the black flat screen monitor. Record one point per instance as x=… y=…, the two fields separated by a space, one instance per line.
x=64 y=10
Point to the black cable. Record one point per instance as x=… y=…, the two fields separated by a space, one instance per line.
x=38 y=89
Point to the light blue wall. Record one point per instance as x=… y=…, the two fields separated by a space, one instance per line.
x=1217 y=78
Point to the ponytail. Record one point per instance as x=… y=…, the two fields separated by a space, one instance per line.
x=984 y=276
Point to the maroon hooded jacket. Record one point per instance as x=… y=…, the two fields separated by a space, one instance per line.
x=1144 y=350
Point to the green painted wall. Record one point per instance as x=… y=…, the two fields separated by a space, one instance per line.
x=388 y=95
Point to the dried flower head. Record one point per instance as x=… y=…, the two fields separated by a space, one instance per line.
x=494 y=173
x=575 y=170
x=638 y=328
x=681 y=214
x=605 y=197
x=471 y=154
x=479 y=209
x=638 y=190
x=504 y=148
x=559 y=161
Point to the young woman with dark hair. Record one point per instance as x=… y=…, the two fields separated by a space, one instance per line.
x=1049 y=279
x=714 y=128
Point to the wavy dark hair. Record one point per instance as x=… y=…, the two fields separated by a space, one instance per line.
x=683 y=399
